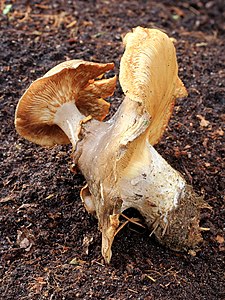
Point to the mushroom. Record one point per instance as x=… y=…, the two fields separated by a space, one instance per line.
x=116 y=157
x=53 y=107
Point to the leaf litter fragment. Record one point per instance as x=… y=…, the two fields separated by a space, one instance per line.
x=220 y=239
x=75 y=261
x=25 y=239
x=203 y=121
x=86 y=243
x=7 y=9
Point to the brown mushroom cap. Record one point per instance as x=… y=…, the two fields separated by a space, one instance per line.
x=71 y=81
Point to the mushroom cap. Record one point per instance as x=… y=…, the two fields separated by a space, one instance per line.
x=71 y=81
x=149 y=75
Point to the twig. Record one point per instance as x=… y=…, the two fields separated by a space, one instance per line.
x=156 y=223
x=133 y=220
x=136 y=292
x=187 y=173
x=121 y=227
x=151 y=278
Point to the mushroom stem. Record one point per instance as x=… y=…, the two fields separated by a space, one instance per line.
x=153 y=182
x=126 y=171
x=68 y=118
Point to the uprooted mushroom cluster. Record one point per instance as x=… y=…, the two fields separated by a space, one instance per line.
x=67 y=105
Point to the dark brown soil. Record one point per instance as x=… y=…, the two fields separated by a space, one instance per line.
x=43 y=223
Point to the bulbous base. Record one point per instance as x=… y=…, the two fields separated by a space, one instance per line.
x=181 y=231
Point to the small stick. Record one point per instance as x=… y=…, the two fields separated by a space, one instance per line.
x=121 y=227
x=204 y=228
x=133 y=220
x=151 y=278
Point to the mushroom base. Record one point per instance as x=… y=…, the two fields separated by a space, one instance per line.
x=148 y=183
x=181 y=231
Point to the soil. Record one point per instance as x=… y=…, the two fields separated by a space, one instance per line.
x=49 y=245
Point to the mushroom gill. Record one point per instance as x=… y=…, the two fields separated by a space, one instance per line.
x=64 y=96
